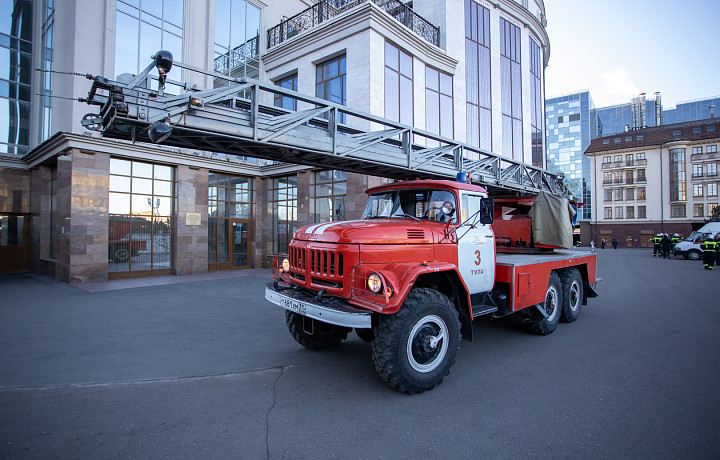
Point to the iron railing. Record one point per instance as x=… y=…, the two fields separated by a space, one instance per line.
x=238 y=56
x=327 y=9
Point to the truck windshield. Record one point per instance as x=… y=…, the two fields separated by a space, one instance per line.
x=416 y=204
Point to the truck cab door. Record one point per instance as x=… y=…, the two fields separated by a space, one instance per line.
x=476 y=246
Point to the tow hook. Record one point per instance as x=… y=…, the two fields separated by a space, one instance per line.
x=320 y=294
x=276 y=285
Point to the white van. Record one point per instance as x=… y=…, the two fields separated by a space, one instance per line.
x=690 y=248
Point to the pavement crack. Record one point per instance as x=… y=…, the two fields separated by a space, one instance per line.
x=267 y=415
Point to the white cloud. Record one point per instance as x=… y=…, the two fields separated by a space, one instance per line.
x=617 y=87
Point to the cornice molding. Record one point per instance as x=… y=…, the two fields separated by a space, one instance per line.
x=359 y=19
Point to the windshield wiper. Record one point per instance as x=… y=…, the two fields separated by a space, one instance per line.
x=408 y=216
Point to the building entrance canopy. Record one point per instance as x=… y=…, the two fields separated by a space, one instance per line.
x=233 y=120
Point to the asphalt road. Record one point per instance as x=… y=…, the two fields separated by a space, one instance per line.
x=208 y=369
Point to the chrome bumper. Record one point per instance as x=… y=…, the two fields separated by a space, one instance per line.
x=332 y=311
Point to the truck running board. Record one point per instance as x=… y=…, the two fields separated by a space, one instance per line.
x=480 y=310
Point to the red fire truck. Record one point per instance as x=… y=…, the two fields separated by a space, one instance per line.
x=426 y=258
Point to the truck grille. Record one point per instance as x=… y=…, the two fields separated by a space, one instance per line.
x=321 y=262
x=326 y=263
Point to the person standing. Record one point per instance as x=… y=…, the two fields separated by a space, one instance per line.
x=709 y=253
x=602 y=245
x=657 y=247
x=666 y=244
x=615 y=243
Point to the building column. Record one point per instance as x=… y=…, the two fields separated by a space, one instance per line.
x=191 y=222
x=86 y=230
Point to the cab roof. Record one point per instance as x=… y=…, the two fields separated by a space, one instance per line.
x=427 y=183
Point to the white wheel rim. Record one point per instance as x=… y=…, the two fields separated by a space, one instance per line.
x=427 y=344
x=575 y=295
x=551 y=303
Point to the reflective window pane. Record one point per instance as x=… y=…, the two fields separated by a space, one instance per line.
x=119 y=167
x=119 y=184
x=119 y=203
x=142 y=169
x=142 y=185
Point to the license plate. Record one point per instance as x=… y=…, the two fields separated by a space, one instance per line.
x=293 y=305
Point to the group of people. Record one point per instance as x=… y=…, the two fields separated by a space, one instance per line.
x=603 y=243
x=711 y=251
x=663 y=244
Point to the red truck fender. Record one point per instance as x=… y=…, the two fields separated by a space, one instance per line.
x=403 y=276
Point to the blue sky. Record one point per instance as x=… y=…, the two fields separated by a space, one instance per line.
x=618 y=49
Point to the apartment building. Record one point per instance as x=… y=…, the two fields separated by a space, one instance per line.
x=647 y=181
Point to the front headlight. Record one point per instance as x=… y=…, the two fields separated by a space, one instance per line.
x=374 y=283
x=286 y=265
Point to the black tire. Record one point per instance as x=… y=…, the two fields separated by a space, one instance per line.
x=572 y=294
x=323 y=335
x=367 y=335
x=694 y=255
x=415 y=348
x=552 y=306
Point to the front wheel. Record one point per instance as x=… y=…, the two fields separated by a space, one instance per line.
x=314 y=335
x=414 y=348
x=694 y=255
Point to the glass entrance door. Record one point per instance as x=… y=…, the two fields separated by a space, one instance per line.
x=239 y=243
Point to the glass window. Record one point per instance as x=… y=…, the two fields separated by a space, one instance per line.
x=398 y=85
x=143 y=27
x=697 y=190
x=642 y=212
x=289 y=82
x=329 y=192
x=697 y=150
x=331 y=82
x=712 y=149
x=641 y=193
x=15 y=70
x=536 y=104
x=414 y=204
x=438 y=102
x=698 y=210
x=608 y=195
x=677 y=175
x=618 y=212
x=629 y=212
x=477 y=75
x=697 y=170
x=141 y=206
x=283 y=203
x=677 y=210
x=712 y=209
x=712 y=189
x=712 y=169
x=237 y=34
x=510 y=89
x=608 y=213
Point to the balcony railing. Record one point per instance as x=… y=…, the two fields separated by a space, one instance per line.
x=238 y=56
x=327 y=9
x=641 y=180
x=640 y=162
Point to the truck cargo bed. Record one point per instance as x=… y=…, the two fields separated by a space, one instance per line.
x=527 y=275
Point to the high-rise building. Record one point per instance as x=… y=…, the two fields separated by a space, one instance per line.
x=86 y=208
x=570 y=126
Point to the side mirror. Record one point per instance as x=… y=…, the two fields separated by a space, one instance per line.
x=487 y=211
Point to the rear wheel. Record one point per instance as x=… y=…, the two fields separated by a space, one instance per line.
x=572 y=294
x=551 y=306
x=414 y=348
x=314 y=335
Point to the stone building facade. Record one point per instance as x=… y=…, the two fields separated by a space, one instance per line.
x=82 y=208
